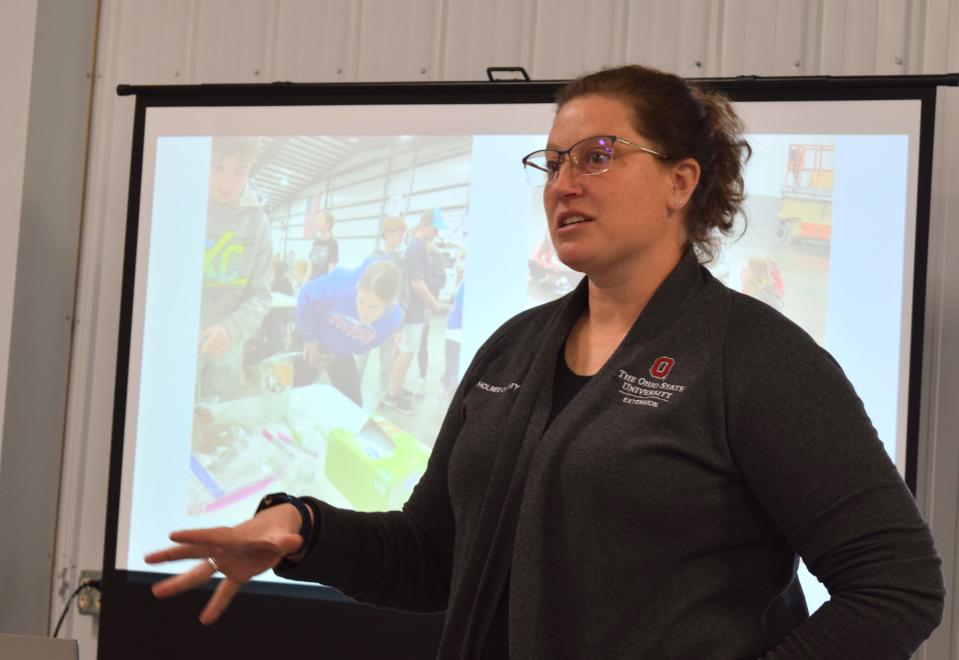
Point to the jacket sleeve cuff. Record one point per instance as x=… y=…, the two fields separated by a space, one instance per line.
x=287 y=567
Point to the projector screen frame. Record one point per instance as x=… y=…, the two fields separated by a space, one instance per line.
x=127 y=593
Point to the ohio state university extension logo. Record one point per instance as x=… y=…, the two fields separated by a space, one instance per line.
x=661 y=367
x=651 y=393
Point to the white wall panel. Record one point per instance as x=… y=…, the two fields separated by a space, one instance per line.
x=60 y=44
x=939 y=46
x=893 y=37
x=765 y=38
x=575 y=36
x=17 y=32
x=482 y=33
x=672 y=35
x=844 y=53
x=89 y=419
x=952 y=54
x=153 y=38
x=315 y=41
x=865 y=38
x=938 y=473
x=232 y=41
x=399 y=40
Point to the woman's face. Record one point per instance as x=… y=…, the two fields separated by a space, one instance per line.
x=369 y=306
x=610 y=224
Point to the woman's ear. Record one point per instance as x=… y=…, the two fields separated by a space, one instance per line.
x=684 y=177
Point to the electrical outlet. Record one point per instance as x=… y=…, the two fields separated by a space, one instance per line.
x=88 y=599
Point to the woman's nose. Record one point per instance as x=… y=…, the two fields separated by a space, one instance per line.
x=566 y=179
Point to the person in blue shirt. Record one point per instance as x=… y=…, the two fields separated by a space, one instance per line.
x=346 y=313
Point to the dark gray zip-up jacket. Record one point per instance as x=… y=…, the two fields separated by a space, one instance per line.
x=660 y=515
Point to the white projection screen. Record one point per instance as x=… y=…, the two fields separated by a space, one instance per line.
x=837 y=203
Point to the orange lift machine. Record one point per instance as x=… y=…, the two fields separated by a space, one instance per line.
x=805 y=211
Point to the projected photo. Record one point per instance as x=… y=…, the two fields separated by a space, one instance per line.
x=783 y=256
x=330 y=316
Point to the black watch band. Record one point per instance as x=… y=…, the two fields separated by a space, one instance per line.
x=306 y=525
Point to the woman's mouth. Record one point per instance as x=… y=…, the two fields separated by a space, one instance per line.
x=572 y=220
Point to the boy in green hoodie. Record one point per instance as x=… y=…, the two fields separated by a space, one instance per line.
x=236 y=269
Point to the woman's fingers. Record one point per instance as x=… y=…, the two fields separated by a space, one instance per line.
x=178 y=552
x=192 y=544
x=213 y=536
x=176 y=584
x=240 y=552
x=221 y=599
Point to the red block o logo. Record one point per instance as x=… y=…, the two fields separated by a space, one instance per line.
x=661 y=367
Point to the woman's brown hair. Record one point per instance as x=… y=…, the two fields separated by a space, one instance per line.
x=684 y=121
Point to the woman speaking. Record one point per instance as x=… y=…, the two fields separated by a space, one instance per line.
x=633 y=470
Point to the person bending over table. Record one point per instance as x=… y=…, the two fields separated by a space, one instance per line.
x=346 y=313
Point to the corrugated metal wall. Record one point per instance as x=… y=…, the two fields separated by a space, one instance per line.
x=239 y=41
x=206 y=41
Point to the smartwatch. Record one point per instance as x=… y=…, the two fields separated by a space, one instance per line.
x=275 y=499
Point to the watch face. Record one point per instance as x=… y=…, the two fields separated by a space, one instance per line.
x=275 y=499
x=272 y=500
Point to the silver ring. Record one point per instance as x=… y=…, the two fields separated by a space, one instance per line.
x=212 y=562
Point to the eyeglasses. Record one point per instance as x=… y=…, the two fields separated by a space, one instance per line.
x=590 y=156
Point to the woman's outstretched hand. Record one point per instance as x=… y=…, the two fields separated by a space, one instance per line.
x=239 y=552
